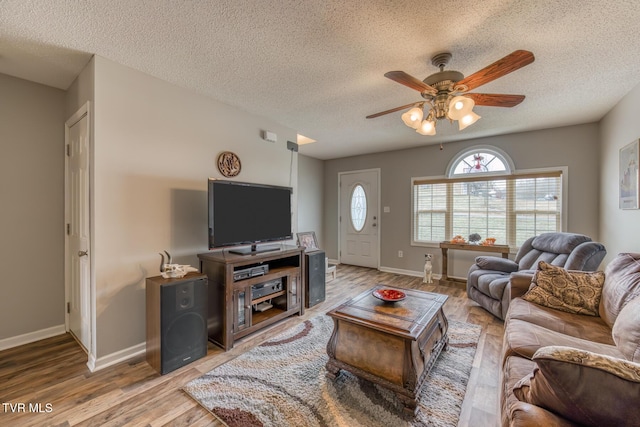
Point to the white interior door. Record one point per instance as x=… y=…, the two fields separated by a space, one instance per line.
x=359 y=218
x=78 y=258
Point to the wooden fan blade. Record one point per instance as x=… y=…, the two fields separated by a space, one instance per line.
x=410 y=81
x=495 y=100
x=501 y=67
x=393 y=110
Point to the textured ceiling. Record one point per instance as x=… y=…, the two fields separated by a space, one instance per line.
x=317 y=66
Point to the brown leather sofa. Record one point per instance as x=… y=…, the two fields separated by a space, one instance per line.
x=566 y=369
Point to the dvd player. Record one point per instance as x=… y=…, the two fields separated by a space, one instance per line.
x=266 y=288
x=249 y=272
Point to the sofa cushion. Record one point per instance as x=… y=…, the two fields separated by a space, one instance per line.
x=590 y=328
x=626 y=330
x=523 y=338
x=621 y=285
x=584 y=387
x=571 y=291
x=492 y=284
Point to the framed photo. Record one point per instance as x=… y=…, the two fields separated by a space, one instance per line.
x=308 y=240
x=629 y=176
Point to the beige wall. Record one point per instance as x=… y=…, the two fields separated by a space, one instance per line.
x=619 y=229
x=155 y=146
x=310 y=203
x=575 y=147
x=32 y=120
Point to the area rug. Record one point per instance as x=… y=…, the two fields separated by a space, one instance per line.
x=282 y=382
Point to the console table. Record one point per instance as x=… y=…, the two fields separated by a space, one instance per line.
x=445 y=246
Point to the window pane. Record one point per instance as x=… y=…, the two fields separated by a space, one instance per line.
x=537 y=207
x=358 y=207
x=511 y=209
x=480 y=207
x=430 y=227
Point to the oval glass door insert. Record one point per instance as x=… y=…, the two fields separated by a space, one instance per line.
x=358 y=207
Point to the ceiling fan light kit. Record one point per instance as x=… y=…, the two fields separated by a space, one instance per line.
x=446 y=92
x=459 y=107
x=427 y=127
x=467 y=120
x=413 y=117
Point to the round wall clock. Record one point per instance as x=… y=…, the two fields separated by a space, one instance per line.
x=229 y=164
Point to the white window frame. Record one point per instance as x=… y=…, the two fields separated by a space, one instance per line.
x=564 y=170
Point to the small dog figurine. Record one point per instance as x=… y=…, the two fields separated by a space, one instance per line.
x=428 y=269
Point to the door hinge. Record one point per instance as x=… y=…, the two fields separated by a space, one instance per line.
x=68 y=308
x=68 y=150
x=68 y=228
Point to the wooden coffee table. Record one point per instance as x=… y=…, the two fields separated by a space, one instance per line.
x=392 y=344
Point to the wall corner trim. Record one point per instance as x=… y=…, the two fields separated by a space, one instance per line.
x=95 y=364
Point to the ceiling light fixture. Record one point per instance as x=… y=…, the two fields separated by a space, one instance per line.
x=458 y=108
x=428 y=126
x=413 y=117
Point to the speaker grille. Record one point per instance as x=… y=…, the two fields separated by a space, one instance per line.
x=184 y=333
x=183 y=323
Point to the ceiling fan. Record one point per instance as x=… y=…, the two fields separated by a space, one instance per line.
x=446 y=92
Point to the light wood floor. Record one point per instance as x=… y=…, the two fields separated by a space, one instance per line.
x=53 y=371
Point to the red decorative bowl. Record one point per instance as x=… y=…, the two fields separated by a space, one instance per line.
x=389 y=295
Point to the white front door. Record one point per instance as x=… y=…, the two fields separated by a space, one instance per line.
x=359 y=218
x=78 y=228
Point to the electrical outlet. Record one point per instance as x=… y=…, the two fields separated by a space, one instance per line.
x=400 y=254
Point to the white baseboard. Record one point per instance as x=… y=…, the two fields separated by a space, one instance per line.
x=95 y=364
x=401 y=271
x=31 y=337
x=416 y=273
x=407 y=272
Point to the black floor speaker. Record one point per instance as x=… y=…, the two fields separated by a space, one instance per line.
x=176 y=321
x=315 y=278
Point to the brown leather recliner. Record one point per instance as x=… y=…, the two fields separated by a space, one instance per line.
x=493 y=281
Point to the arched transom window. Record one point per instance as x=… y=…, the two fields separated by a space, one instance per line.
x=483 y=160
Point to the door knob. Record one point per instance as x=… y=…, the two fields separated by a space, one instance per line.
x=83 y=253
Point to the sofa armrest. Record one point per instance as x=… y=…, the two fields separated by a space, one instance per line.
x=520 y=282
x=496 y=263
x=584 y=387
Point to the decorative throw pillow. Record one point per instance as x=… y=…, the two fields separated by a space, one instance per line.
x=576 y=292
x=587 y=388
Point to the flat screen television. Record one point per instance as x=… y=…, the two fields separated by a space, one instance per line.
x=242 y=213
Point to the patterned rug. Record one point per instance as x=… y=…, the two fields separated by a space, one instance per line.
x=282 y=383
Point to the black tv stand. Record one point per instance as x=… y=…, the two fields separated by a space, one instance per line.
x=254 y=249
